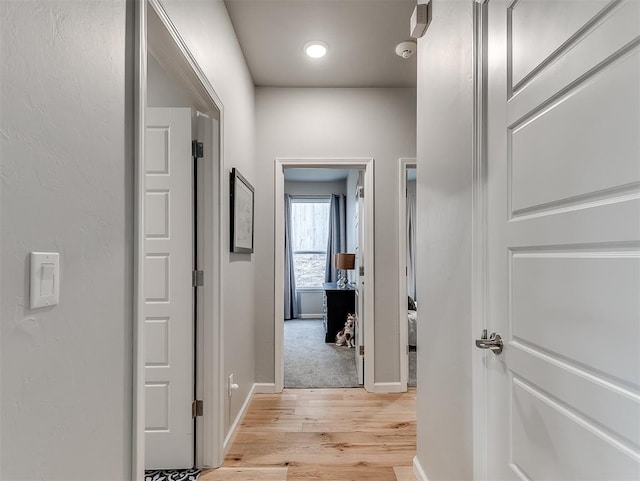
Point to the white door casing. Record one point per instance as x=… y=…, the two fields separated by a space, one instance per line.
x=367 y=166
x=168 y=290
x=563 y=190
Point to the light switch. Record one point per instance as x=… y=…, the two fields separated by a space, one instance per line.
x=45 y=279
x=46 y=283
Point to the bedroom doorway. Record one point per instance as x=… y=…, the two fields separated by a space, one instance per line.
x=408 y=312
x=320 y=212
x=320 y=221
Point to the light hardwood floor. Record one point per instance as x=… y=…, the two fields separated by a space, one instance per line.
x=323 y=434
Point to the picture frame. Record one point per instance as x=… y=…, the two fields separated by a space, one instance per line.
x=242 y=213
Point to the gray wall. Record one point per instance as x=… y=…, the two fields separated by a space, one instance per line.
x=67 y=186
x=310 y=122
x=352 y=205
x=66 y=136
x=163 y=89
x=445 y=112
x=207 y=31
x=294 y=187
x=411 y=186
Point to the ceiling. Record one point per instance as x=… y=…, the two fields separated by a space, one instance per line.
x=361 y=35
x=315 y=175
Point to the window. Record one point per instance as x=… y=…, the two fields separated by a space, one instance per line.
x=310 y=232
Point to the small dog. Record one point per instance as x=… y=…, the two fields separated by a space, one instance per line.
x=346 y=337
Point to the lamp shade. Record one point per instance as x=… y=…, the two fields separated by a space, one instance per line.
x=345 y=261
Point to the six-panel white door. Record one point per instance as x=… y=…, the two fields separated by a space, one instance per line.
x=168 y=307
x=564 y=240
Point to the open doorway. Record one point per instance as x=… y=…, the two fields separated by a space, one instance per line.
x=412 y=301
x=357 y=291
x=320 y=222
x=178 y=268
x=408 y=313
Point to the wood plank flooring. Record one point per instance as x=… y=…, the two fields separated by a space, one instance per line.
x=323 y=434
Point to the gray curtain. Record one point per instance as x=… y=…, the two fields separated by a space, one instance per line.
x=290 y=298
x=337 y=234
x=411 y=245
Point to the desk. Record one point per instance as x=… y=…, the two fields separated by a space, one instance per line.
x=337 y=304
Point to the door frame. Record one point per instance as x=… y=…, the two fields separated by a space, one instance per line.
x=367 y=165
x=209 y=359
x=403 y=328
x=479 y=232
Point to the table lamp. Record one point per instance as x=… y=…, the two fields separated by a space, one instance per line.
x=344 y=262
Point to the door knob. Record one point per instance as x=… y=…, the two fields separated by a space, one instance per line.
x=494 y=342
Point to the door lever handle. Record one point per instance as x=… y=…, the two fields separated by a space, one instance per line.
x=494 y=342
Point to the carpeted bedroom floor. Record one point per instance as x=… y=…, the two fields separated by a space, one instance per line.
x=412 y=368
x=309 y=362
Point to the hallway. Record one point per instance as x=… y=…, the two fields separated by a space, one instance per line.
x=324 y=434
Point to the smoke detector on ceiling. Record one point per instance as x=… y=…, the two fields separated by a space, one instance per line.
x=406 y=49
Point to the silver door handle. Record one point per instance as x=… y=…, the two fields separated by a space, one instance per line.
x=494 y=342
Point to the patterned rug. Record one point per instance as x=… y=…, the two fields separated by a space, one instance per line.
x=172 y=475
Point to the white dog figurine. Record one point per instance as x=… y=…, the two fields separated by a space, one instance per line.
x=346 y=337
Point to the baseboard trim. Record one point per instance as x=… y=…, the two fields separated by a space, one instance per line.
x=264 y=388
x=310 y=316
x=418 y=471
x=236 y=422
x=388 y=387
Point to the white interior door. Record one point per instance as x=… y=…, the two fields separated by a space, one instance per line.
x=564 y=240
x=169 y=334
x=360 y=292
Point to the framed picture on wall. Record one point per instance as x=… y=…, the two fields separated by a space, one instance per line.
x=242 y=204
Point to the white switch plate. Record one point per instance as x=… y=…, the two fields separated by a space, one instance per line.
x=45 y=279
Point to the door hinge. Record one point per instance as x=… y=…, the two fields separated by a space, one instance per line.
x=197 y=149
x=361 y=192
x=361 y=270
x=197 y=278
x=362 y=350
x=197 y=408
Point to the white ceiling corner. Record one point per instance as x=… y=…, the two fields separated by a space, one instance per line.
x=361 y=34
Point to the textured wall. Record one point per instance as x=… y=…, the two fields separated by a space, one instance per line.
x=326 y=123
x=315 y=188
x=66 y=186
x=164 y=89
x=445 y=113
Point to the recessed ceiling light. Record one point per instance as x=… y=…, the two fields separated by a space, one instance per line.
x=316 y=49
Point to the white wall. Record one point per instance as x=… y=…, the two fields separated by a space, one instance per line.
x=207 y=31
x=309 y=122
x=67 y=186
x=445 y=112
